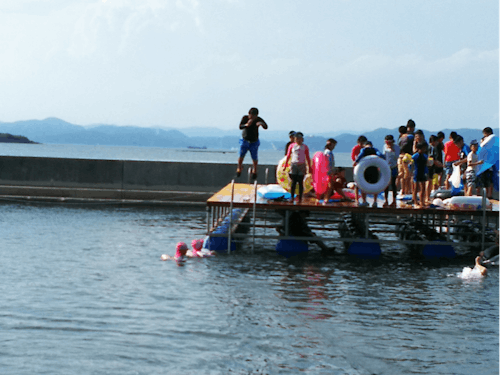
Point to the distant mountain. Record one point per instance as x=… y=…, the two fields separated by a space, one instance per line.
x=56 y=131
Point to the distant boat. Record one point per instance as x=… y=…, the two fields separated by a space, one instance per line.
x=198 y=148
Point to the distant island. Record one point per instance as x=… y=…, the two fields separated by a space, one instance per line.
x=9 y=138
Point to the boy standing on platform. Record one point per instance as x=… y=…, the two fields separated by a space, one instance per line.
x=405 y=143
x=436 y=165
x=250 y=139
x=391 y=153
x=486 y=178
x=472 y=166
x=367 y=151
x=354 y=155
x=451 y=155
x=299 y=153
x=420 y=174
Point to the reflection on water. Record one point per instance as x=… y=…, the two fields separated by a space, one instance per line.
x=83 y=291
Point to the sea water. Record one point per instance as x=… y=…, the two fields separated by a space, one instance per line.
x=83 y=291
x=147 y=153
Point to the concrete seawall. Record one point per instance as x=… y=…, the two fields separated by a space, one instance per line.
x=119 y=179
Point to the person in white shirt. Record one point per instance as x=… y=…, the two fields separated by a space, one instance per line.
x=472 y=168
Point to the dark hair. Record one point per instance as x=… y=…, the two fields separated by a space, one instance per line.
x=433 y=138
x=389 y=137
x=331 y=140
x=402 y=129
x=453 y=135
x=488 y=130
x=440 y=135
x=362 y=139
x=291 y=133
x=458 y=138
x=340 y=169
x=419 y=131
x=253 y=111
x=368 y=143
x=410 y=124
x=421 y=146
x=299 y=134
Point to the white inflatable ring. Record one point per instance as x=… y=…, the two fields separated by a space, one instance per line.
x=384 y=174
x=468 y=203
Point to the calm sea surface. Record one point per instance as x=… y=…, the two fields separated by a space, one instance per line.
x=146 y=153
x=82 y=291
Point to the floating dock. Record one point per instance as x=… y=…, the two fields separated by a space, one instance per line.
x=430 y=231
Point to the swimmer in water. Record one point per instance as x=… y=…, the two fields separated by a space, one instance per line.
x=482 y=270
x=180 y=253
x=197 y=251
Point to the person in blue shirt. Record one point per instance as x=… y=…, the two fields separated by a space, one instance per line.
x=464 y=151
x=420 y=174
x=367 y=151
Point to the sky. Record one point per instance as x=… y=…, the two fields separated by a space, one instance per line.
x=315 y=66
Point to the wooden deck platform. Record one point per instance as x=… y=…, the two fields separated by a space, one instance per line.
x=268 y=220
x=245 y=196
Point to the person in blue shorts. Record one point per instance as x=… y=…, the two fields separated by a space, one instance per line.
x=250 y=139
x=420 y=174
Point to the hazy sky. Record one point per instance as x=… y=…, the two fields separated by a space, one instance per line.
x=311 y=65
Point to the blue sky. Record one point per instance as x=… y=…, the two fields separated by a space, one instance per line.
x=317 y=66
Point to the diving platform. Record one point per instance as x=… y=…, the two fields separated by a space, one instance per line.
x=430 y=231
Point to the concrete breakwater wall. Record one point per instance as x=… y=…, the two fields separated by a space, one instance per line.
x=119 y=179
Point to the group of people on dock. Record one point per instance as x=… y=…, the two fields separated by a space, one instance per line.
x=418 y=166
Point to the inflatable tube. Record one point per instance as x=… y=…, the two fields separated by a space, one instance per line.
x=446 y=193
x=273 y=191
x=320 y=173
x=349 y=193
x=405 y=197
x=489 y=152
x=384 y=174
x=286 y=183
x=468 y=203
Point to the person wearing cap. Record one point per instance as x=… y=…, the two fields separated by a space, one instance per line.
x=299 y=154
x=250 y=139
x=472 y=168
x=292 y=140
